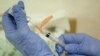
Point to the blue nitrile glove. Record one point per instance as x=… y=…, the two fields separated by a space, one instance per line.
x=79 y=45
x=19 y=34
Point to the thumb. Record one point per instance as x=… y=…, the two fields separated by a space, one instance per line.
x=20 y=17
x=72 y=38
x=21 y=4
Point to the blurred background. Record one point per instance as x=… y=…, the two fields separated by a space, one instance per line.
x=69 y=16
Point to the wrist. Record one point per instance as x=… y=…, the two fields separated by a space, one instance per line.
x=35 y=48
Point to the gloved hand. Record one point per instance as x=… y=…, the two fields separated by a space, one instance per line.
x=19 y=34
x=79 y=45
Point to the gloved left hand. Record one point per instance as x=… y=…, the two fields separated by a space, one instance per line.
x=19 y=34
x=79 y=45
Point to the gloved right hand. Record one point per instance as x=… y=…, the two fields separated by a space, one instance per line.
x=79 y=45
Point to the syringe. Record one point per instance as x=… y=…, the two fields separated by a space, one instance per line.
x=53 y=38
x=56 y=40
x=46 y=33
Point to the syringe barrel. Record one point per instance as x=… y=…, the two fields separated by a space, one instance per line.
x=55 y=39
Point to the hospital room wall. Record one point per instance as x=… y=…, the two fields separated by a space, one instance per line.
x=87 y=13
